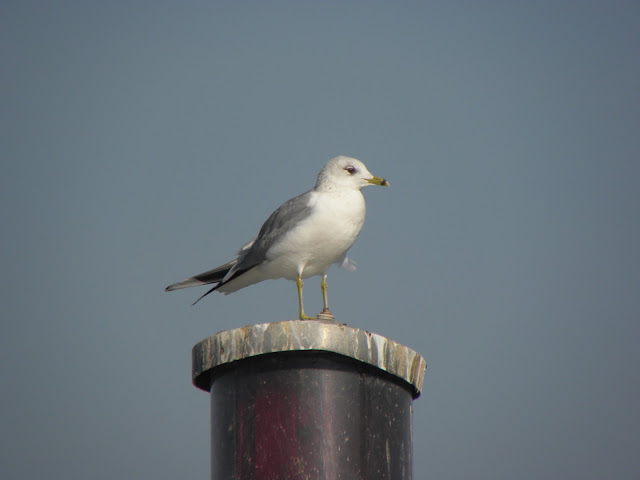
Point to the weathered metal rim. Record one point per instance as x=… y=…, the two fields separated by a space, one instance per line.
x=295 y=335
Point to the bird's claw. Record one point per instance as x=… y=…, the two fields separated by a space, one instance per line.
x=326 y=314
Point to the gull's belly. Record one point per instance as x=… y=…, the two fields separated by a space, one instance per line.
x=321 y=240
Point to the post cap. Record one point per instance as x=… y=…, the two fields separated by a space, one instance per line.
x=306 y=335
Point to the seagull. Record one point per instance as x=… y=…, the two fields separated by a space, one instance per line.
x=302 y=238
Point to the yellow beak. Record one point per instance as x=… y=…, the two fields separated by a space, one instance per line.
x=378 y=181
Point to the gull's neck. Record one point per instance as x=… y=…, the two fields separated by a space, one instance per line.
x=328 y=187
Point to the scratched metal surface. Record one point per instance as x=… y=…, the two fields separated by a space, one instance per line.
x=240 y=343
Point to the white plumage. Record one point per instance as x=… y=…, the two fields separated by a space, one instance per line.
x=303 y=237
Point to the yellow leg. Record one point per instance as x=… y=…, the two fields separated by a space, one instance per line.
x=323 y=287
x=299 y=284
x=326 y=313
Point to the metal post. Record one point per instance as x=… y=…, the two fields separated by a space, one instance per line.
x=308 y=400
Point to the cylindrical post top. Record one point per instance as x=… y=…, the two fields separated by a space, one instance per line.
x=268 y=338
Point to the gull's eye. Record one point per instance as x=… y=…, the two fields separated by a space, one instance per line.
x=350 y=169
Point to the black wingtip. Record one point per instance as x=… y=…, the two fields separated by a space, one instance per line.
x=201 y=297
x=236 y=274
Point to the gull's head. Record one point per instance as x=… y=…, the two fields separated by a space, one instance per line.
x=346 y=172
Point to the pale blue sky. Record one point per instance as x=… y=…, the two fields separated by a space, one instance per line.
x=143 y=142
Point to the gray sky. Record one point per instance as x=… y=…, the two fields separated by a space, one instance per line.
x=143 y=142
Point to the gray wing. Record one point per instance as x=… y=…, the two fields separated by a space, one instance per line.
x=286 y=217
x=280 y=222
x=210 y=276
x=215 y=275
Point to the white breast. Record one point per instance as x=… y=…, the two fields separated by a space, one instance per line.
x=322 y=238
